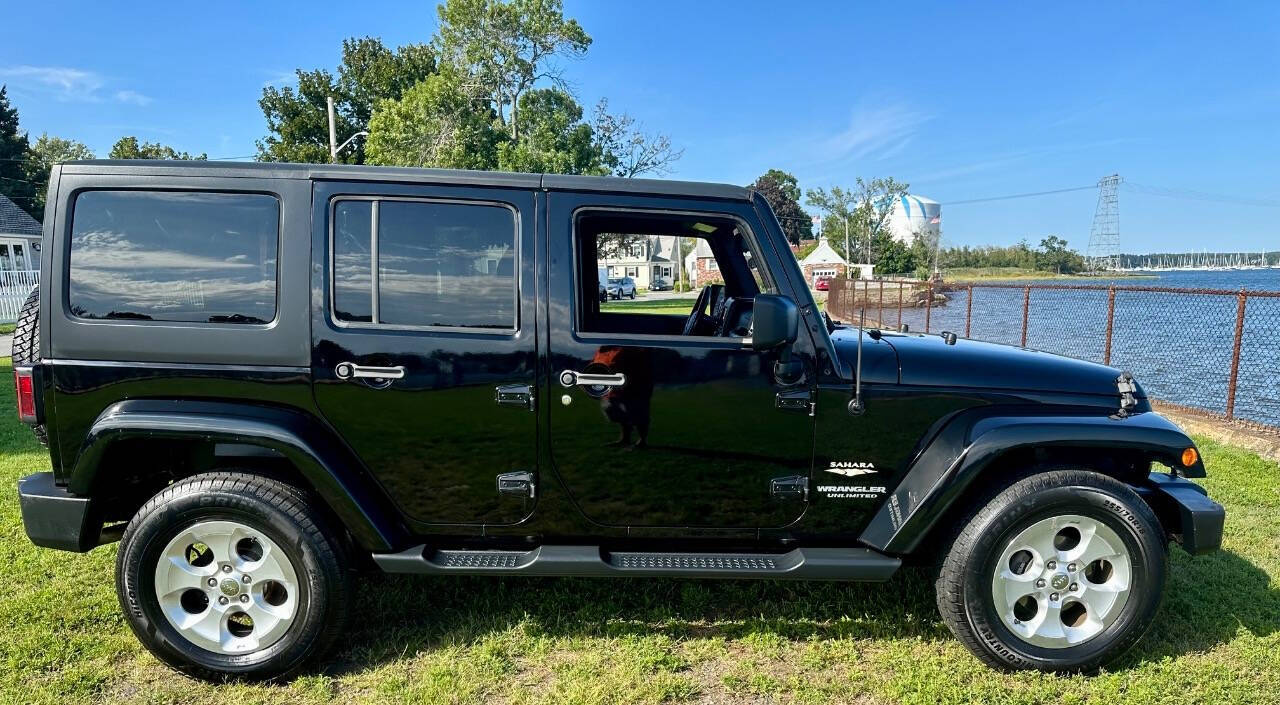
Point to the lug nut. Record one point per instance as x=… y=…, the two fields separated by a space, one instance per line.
x=213 y=582
x=1072 y=587
x=1071 y=567
x=244 y=598
x=226 y=569
x=222 y=600
x=1039 y=583
x=1051 y=565
x=1053 y=597
x=245 y=579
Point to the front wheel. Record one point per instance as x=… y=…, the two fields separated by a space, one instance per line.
x=1063 y=571
x=230 y=574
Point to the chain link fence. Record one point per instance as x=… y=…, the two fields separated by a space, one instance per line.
x=1211 y=351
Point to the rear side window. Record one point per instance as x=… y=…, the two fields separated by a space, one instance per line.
x=174 y=256
x=424 y=264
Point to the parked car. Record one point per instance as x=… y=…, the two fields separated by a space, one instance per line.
x=660 y=284
x=822 y=283
x=251 y=431
x=622 y=287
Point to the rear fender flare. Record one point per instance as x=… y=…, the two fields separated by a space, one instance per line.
x=967 y=446
x=334 y=474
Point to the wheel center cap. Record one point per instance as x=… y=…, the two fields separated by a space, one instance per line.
x=1058 y=581
x=231 y=587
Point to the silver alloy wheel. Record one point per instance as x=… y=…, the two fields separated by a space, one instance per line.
x=1062 y=581
x=227 y=587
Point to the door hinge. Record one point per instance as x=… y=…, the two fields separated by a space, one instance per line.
x=518 y=483
x=794 y=487
x=517 y=395
x=795 y=400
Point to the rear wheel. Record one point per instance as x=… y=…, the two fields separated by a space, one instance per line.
x=230 y=574
x=1063 y=571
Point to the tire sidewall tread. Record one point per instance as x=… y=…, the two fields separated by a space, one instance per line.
x=964 y=580
x=284 y=513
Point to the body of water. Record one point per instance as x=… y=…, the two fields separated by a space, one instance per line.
x=1179 y=345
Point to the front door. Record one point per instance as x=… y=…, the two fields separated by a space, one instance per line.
x=425 y=302
x=661 y=414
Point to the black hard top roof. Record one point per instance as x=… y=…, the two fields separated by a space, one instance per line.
x=348 y=172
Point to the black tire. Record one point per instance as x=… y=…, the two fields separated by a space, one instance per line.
x=964 y=585
x=26 y=345
x=279 y=511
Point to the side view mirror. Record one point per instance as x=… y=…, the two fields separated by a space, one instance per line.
x=775 y=322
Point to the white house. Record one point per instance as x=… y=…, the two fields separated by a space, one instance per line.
x=824 y=261
x=19 y=258
x=646 y=260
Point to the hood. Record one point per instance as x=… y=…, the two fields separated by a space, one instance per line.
x=927 y=360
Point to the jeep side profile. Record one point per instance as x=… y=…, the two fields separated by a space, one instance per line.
x=256 y=377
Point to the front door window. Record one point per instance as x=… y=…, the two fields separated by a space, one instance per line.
x=682 y=430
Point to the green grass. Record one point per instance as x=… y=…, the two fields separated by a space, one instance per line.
x=680 y=306
x=7 y=328
x=481 y=640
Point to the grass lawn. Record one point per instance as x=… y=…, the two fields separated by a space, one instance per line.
x=482 y=640
x=7 y=328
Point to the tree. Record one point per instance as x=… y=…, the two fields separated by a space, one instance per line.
x=297 y=119
x=782 y=191
x=435 y=124
x=130 y=148
x=1055 y=256
x=43 y=155
x=13 y=158
x=626 y=150
x=506 y=48
x=553 y=138
x=836 y=205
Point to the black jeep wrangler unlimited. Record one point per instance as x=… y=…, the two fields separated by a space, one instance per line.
x=257 y=376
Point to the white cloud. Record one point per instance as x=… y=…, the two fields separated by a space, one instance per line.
x=62 y=83
x=68 y=85
x=133 y=97
x=875 y=133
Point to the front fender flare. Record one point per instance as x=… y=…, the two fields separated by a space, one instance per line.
x=972 y=441
x=334 y=474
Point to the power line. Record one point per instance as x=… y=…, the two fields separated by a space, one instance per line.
x=1193 y=195
x=1021 y=195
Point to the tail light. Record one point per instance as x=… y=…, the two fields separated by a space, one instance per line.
x=26 y=388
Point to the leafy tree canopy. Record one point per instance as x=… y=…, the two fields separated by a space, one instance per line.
x=506 y=48
x=435 y=124
x=130 y=148
x=44 y=154
x=782 y=191
x=297 y=118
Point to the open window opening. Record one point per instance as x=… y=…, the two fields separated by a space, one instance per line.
x=698 y=274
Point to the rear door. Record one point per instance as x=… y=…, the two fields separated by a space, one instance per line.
x=424 y=304
x=682 y=430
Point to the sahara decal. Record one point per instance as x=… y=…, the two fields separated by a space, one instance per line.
x=850 y=469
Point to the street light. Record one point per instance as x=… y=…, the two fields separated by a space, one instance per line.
x=333 y=137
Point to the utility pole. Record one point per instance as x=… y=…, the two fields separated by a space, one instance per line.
x=333 y=133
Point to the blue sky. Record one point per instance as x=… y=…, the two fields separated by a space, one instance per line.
x=961 y=103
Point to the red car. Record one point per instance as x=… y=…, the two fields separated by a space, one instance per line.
x=822 y=283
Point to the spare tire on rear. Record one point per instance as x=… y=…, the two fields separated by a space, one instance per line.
x=26 y=344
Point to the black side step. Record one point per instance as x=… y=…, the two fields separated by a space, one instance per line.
x=797 y=564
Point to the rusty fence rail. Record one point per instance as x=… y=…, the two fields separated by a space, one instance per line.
x=1212 y=351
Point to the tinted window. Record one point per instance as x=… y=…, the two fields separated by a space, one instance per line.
x=439 y=264
x=174 y=256
x=352 y=258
